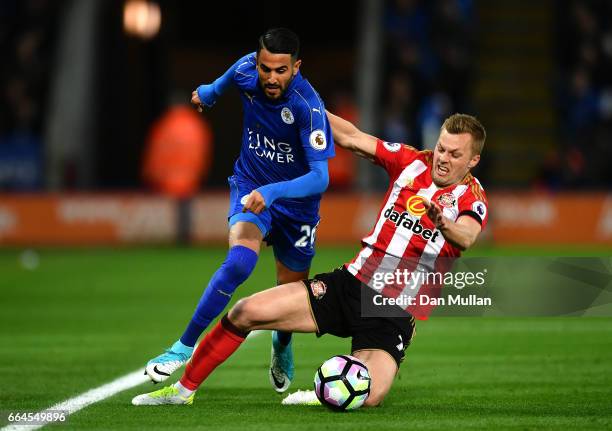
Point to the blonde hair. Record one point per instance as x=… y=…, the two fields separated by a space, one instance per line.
x=463 y=123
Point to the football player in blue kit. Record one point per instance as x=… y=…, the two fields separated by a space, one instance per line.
x=275 y=190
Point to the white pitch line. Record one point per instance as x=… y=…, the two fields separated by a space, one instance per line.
x=95 y=395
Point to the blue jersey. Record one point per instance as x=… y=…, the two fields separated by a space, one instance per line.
x=280 y=137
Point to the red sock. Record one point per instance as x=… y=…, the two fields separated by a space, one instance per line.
x=215 y=348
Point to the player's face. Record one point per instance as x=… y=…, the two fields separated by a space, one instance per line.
x=452 y=158
x=275 y=72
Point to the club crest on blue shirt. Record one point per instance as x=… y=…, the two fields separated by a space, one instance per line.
x=287 y=115
x=318 y=140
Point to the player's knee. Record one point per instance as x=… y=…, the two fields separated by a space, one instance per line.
x=238 y=270
x=375 y=399
x=243 y=314
x=239 y=264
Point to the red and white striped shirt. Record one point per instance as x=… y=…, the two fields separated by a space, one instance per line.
x=403 y=236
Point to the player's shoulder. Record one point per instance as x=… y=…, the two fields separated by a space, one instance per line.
x=426 y=156
x=248 y=61
x=304 y=97
x=474 y=189
x=405 y=152
x=245 y=70
x=396 y=147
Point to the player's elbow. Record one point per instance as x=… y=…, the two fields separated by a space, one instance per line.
x=343 y=140
x=350 y=141
x=323 y=181
x=465 y=242
x=321 y=176
x=462 y=245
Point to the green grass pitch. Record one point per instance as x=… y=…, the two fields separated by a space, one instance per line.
x=85 y=317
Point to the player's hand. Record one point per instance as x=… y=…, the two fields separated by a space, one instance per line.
x=254 y=202
x=434 y=212
x=204 y=95
x=195 y=99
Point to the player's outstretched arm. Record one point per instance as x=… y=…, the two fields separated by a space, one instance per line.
x=350 y=137
x=312 y=183
x=461 y=233
x=206 y=94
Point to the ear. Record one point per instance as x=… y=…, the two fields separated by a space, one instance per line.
x=474 y=161
x=296 y=66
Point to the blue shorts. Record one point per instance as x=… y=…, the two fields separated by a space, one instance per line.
x=291 y=233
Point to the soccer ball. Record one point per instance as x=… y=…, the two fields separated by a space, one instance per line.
x=342 y=383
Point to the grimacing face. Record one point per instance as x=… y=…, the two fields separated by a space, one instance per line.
x=275 y=72
x=452 y=158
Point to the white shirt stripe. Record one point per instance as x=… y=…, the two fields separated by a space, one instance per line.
x=411 y=171
x=363 y=255
x=401 y=239
x=432 y=249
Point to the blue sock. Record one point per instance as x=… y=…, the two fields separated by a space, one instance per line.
x=284 y=337
x=236 y=268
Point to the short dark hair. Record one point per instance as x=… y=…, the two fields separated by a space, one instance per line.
x=463 y=123
x=280 y=41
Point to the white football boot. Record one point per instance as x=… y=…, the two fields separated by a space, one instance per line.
x=161 y=367
x=167 y=395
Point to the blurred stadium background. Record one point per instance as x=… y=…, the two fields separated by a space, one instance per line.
x=113 y=191
x=96 y=146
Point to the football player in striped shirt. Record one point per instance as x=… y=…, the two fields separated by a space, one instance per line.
x=433 y=210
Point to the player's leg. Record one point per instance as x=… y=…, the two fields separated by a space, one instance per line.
x=286 y=275
x=244 y=245
x=284 y=307
x=381 y=344
x=382 y=368
x=245 y=239
x=293 y=244
x=281 y=369
x=246 y=233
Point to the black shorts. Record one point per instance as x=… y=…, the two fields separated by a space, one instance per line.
x=335 y=301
